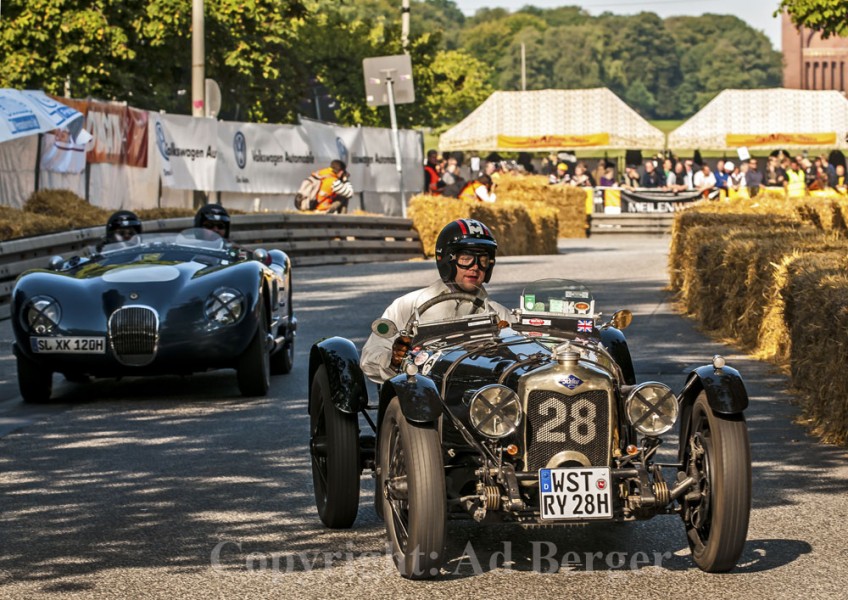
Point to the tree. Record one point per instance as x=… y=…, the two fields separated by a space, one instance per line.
x=830 y=17
x=642 y=100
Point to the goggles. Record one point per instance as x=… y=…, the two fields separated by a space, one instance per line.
x=216 y=225
x=467 y=261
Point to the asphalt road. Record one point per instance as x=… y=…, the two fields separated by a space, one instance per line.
x=178 y=488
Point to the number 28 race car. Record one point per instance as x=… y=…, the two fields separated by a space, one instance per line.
x=540 y=421
x=162 y=303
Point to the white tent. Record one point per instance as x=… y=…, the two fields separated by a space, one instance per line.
x=546 y=120
x=766 y=120
x=29 y=112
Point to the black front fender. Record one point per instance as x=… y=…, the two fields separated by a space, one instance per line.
x=419 y=398
x=347 y=383
x=615 y=342
x=725 y=390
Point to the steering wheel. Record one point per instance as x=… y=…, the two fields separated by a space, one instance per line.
x=461 y=296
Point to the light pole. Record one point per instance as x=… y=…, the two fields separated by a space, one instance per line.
x=198 y=58
x=404 y=25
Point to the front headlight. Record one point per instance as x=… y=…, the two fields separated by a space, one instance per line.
x=494 y=411
x=41 y=315
x=651 y=408
x=224 y=306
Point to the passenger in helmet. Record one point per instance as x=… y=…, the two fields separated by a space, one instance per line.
x=215 y=218
x=122 y=226
x=465 y=257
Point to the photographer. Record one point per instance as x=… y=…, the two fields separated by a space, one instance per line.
x=335 y=191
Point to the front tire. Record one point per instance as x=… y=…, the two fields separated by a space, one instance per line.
x=35 y=383
x=413 y=482
x=282 y=361
x=719 y=457
x=254 y=366
x=334 y=446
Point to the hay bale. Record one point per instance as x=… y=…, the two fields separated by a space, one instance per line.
x=66 y=204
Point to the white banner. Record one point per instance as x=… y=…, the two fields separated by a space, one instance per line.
x=188 y=150
x=209 y=155
x=262 y=159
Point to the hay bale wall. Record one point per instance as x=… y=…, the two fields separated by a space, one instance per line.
x=773 y=278
x=520 y=229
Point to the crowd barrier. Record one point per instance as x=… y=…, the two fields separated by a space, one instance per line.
x=308 y=240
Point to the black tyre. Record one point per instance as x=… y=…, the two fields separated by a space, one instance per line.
x=334 y=446
x=254 y=366
x=282 y=360
x=413 y=482
x=719 y=457
x=34 y=382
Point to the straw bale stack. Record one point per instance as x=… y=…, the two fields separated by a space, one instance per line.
x=775 y=280
x=520 y=229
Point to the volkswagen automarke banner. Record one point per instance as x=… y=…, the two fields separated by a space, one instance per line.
x=209 y=155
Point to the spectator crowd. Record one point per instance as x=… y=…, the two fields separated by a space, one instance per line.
x=793 y=176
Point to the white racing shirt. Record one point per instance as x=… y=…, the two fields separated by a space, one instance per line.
x=377 y=352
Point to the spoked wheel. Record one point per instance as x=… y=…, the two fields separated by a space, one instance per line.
x=35 y=383
x=254 y=366
x=719 y=458
x=334 y=446
x=413 y=482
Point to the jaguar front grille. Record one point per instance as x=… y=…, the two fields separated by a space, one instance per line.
x=134 y=335
x=567 y=425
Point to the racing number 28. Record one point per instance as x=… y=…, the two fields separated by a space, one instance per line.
x=581 y=427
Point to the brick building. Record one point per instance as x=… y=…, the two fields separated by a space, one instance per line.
x=811 y=63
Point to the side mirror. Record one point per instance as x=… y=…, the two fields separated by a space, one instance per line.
x=384 y=328
x=621 y=319
x=262 y=256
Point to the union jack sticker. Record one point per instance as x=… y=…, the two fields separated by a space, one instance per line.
x=584 y=326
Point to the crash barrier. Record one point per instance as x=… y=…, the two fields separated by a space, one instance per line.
x=634 y=223
x=773 y=277
x=308 y=239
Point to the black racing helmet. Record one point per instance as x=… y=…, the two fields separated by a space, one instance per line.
x=122 y=219
x=215 y=214
x=463 y=234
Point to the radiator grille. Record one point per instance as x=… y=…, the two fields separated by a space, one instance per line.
x=557 y=423
x=134 y=335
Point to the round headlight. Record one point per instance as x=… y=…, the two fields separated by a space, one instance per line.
x=42 y=314
x=494 y=411
x=225 y=306
x=651 y=408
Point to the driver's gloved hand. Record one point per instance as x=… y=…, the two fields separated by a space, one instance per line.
x=399 y=349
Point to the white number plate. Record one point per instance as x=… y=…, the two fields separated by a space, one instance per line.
x=68 y=345
x=581 y=493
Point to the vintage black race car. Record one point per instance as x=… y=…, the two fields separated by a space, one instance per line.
x=166 y=303
x=540 y=421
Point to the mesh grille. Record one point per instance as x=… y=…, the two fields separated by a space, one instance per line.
x=133 y=335
x=557 y=423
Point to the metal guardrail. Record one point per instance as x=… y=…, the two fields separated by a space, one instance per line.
x=637 y=223
x=308 y=240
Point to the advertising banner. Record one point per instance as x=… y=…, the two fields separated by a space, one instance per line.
x=188 y=149
x=644 y=201
x=119 y=132
x=261 y=158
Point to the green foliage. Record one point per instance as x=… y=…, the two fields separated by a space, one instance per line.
x=269 y=56
x=830 y=17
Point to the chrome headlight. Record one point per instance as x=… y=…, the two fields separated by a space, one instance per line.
x=41 y=314
x=651 y=408
x=224 y=306
x=494 y=411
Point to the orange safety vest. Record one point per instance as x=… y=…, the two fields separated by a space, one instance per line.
x=468 y=192
x=432 y=180
x=325 y=196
